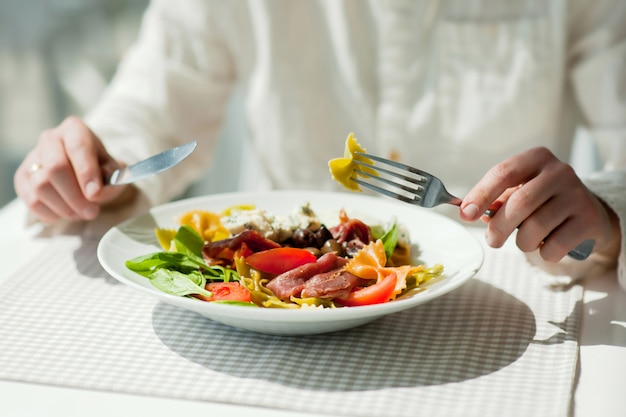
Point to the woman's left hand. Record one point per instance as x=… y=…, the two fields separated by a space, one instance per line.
x=543 y=197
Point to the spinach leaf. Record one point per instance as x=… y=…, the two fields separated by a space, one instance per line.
x=377 y=231
x=183 y=271
x=189 y=242
x=390 y=240
x=146 y=264
x=177 y=283
x=219 y=273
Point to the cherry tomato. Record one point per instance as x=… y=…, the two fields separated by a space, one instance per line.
x=232 y=291
x=374 y=294
x=278 y=260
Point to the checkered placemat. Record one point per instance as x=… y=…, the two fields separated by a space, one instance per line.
x=504 y=344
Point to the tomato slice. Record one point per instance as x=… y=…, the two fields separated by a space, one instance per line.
x=374 y=294
x=278 y=260
x=231 y=291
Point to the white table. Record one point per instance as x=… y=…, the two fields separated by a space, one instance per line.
x=599 y=389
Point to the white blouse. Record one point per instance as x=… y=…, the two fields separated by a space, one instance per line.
x=451 y=87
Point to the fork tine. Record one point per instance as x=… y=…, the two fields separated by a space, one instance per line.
x=413 y=180
x=388 y=193
x=409 y=189
x=395 y=164
x=417 y=190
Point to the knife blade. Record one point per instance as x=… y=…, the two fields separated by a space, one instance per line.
x=151 y=166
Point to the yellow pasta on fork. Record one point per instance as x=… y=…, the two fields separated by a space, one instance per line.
x=343 y=169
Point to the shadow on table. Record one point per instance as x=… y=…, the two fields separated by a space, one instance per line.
x=473 y=331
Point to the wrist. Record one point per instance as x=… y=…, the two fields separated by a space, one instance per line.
x=610 y=245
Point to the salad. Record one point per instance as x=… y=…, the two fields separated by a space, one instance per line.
x=251 y=257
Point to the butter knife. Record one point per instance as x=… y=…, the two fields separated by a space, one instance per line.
x=150 y=166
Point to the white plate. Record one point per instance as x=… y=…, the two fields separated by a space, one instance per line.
x=440 y=240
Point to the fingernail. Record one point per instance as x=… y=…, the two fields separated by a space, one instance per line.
x=91 y=189
x=470 y=211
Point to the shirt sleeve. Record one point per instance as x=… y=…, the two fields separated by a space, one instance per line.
x=597 y=63
x=171 y=87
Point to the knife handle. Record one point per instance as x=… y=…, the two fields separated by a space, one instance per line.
x=582 y=251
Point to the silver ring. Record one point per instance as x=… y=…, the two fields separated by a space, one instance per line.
x=36 y=167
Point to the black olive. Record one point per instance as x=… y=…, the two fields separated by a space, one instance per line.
x=315 y=251
x=304 y=238
x=331 y=245
x=322 y=236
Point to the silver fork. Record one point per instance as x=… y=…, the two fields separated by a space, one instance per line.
x=418 y=187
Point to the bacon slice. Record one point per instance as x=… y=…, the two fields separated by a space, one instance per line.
x=352 y=229
x=291 y=283
x=352 y=234
x=221 y=252
x=333 y=284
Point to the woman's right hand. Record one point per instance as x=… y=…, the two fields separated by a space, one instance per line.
x=549 y=205
x=62 y=177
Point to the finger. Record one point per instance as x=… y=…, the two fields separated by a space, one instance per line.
x=58 y=173
x=496 y=205
x=92 y=163
x=32 y=186
x=47 y=204
x=535 y=229
x=563 y=239
x=87 y=156
x=586 y=218
x=509 y=173
x=21 y=183
x=62 y=177
x=520 y=205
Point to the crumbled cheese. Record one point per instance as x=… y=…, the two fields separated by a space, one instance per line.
x=403 y=235
x=269 y=225
x=304 y=217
